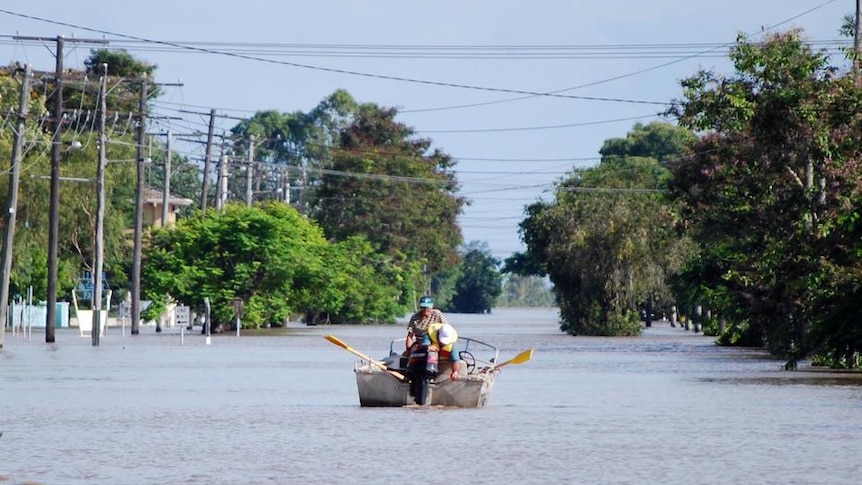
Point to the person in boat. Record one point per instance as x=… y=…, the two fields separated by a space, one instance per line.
x=418 y=325
x=443 y=338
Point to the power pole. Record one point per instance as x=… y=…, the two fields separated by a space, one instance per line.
x=12 y=203
x=167 y=184
x=56 y=155
x=139 y=211
x=99 y=249
x=221 y=187
x=54 y=211
x=249 y=170
x=207 y=159
x=284 y=185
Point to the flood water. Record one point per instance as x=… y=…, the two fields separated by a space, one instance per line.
x=668 y=407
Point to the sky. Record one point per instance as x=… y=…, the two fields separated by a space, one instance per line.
x=474 y=76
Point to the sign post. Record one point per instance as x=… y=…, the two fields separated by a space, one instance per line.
x=237 y=307
x=181 y=318
x=206 y=321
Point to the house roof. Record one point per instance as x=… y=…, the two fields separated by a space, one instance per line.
x=156 y=196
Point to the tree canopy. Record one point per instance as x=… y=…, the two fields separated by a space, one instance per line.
x=608 y=241
x=273 y=259
x=478 y=283
x=773 y=195
x=357 y=171
x=390 y=187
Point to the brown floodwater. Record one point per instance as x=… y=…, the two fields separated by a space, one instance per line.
x=667 y=407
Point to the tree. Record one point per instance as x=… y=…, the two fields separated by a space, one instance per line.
x=125 y=74
x=771 y=191
x=291 y=148
x=358 y=171
x=273 y=259
x=390 y=187
x=76 y=211
x=661 y=141
x=119 y=62
x=479 y=281
x=268 y=256
x=29 y=268
x=608 y=241
x=365 y=286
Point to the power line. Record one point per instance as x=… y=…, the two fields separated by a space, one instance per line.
x=455 y=52
x=621 y=76
x=544 y=127
x=338 y=71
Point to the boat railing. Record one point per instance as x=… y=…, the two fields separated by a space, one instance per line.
x=478 y=354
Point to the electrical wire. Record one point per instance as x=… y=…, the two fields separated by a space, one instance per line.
x=336 y=70
x=626 y=75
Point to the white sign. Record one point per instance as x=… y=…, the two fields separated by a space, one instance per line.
x=181 y=315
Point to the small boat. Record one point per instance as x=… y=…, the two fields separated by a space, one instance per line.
x=384 y=383
x=379 y=387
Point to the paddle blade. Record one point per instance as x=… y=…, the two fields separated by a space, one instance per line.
x=336 y=341
x=522 y=357
x=518 y=359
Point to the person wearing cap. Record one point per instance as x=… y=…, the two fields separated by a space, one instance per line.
x=419 y=322
x=442 y=337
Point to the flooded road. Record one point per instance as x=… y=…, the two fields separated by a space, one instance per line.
x=668 y=407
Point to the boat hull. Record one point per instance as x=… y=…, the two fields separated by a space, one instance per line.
x=378 y=388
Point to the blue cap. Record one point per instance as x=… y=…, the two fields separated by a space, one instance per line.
x=426 y=302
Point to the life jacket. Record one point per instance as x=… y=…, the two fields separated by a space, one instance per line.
x=445 y=350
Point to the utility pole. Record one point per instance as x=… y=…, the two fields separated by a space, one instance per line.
x=207 y=159
x=221 y=177
x=284 y=185
x=303 y=182
x=139 y=211
x=167 y=184
x=12 y=203
x=99 y=249
x=54 y=211
x=249 y=169
x=56 y=155
x=140 y=193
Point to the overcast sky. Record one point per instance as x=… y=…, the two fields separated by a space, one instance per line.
x=460 y=71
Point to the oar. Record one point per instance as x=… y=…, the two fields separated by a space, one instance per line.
x=518 y=359
x=381 y=365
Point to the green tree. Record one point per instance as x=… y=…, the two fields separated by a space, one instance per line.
x=358 y=171
x=273 y=259
x=661 y=141
x=365 y=287
x=125 y=73
x=479 y=281
x=29 y=260
x=390 y=187
x=78 y=212
x=76 y=209
x=773 y=197
x=268 y=256
x=291 y=148
x=608 y=242
x=119 y=62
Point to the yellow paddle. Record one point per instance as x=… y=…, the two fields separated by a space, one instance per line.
x=377 y=363
x=518 y=359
